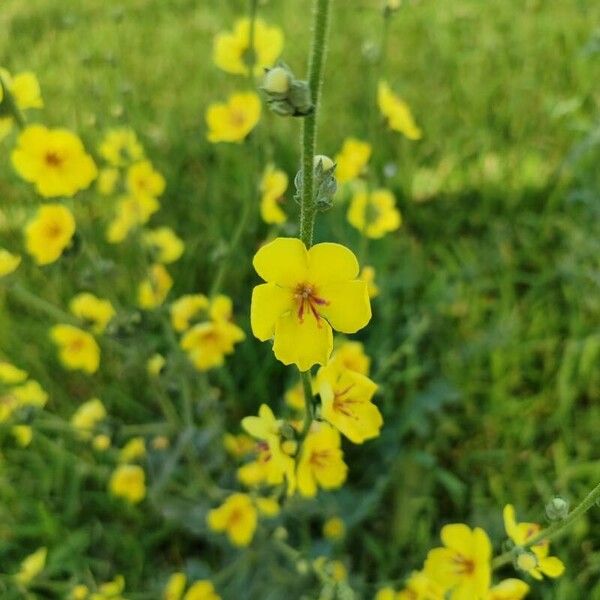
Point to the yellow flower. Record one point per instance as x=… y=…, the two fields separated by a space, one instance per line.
x=25 y=90
x=153 y=290
x=268 y=507
x=331 y=569
x=79 y=592
x=32 y=566
x=238 y=445
x=237 y=517
x=233 y=120
x=306 y=295
x=421 y=587
x=54 y=160
x=368 y=276
x=77 y=348
x=10 y=374
x=352 y=159
x=128 y=482
x=463 y=565
x=8 y=262
x=509 y=589
x=111 y=590
x=231 y=50
x=321 y=461
x=540 y=564
x=88 y=415
x=49 y=233
x=30 y=394
x=167 y=246
x=143 y=180
x=351 y=355
x=294 y=397
x=107 y=181
x=334 y=528
x=199 y=590
x=101 y=442
x=131 y=212
x=121 y=147
x=386 y=593
x=23 y=434
x=346 y=403
x=155 y=364
x=273 y=185
x=374 y=214
x=397 y=112
x=175 y=587
x=184 y=309
x=134 y=449
x=93 y=310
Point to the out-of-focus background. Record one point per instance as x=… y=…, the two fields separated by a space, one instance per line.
x=485 y=337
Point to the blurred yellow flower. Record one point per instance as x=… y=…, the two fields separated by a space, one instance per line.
x=294 y=397
x=87 y=417
x=94 y=311
x=352 y=159
x=321 y=461
x=351 y=355
x=308 y=292
x=25 y=90
x=128 y=482
x=143 y=180
x=509 y=589
x=186 y=308
x=268 y=507
x=8 y=262
x=30 y=393
x=134 y=449
x=131 y=212
x=199 y=590
x=49 y=233
x=273 y=185
x=367 y=274
x=23 y=434
x=540 y=563
x=153 y=290
x=233 y=120
x=101 y=442
x=121 y=147
x=232 y=52
x=155 y=364
x=54 y=160
x=111 y=590
x=32 y=566
x=463 y=565
x=334 y=528
x=78 y=349
x=397 y=112
x=237 y=517
x=387 y=593
x=166 y=246
x=79 y=592
x=175 y=587
x=238 y=445
x=374 y=214
x=11 y=374
x=421 y=587
x=333 y=569
x=107 y=181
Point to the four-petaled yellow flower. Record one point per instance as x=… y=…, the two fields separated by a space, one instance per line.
x=78 y=349
x=153 y=290
x=54 y=160
x=537 y=563
x=145 y=181
x=232 y=51
x=8 y=262
x=128 y=482
x=509 y=589
x=273 y=185
x=93 y=310
x=463 y=566
x=321 y=461
x=49 y=233
x=237 y=517
x=233 y=120
x=308 y=292
x=121 y=147
x=352 y=159
x=165 y=244
x=397 y=112
x=374 y=214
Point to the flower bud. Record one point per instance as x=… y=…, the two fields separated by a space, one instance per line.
x=557 y=509
x=526 y=561
x=276 y=81
x=280 y=533
x=285 y=95
x=326 y=163
x=302 y=566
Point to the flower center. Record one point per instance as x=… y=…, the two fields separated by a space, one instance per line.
x=53 y=230
x=53 y=159
x=307 y=299
x=464 y=566
x=372 y=213
x=238 y=118
x=76 y=345
x=319 y=460
x=344 y=405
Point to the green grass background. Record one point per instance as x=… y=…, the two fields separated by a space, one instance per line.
x=486 y=335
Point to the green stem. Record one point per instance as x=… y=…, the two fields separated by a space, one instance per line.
x=308 y=394
x=553 y=530
x=13 y=109
x=26 y=298
x=309 y=125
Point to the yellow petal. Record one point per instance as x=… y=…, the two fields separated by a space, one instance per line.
x=457 y=537
x=348 y=307
x=269 y=302
x=283 y=261
x=331 y=263
x=551 y=566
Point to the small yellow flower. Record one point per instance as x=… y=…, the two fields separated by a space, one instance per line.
x=134 y=449
x=79 y=592
x=351 y=355
x=107 y=181
x=352 y=159
x=30 y=394
x=131 y=212
x=78 y=349
x=509 y=589
x=368 y=276
x=186 y=308
x=54 y=160
x=232 y=52
x=463 y=565
x=273 y=185
x=25 y=90
x=23 y=434
x=121 y=147
x=420 y=587
x=334 y=528
x=8 y=262
x=237 y=517
x=540 y=563
x=153 y=291
x=175 y=587
x=32 y=566
x=308 y=292
x=155 y=365
x=166 y=245
x=374 y=214
x=238 y=445
x=233 y=120
x=143 y=180
x=101 y=442
x=87 y=417
x=128 y=482
x=49 y=233
x=10 y=374
x=93 y=310
x=321 y=461
x=397 y=112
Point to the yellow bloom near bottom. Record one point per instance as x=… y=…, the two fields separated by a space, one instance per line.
x=199 y=590
x=128 y=482
x=237 y=517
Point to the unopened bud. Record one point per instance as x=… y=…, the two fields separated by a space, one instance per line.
x=557 y=509
x=280 y=533
x=302 y=566
x=276 y=81
x=326 y=163
x=286 y=96
x=526 y=561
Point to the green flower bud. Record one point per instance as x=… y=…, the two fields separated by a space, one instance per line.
x=526 y=561
x=326 y=163
x=285 y=95
x=276 y=81
x=557 y=509
x=325 y=184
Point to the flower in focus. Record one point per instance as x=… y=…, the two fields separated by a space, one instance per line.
x=25 y=91
x=78 y=349
x=134 y=449
x=397 y=112
x=273 y=185
x=509 y=589
x=232 y=51
x=87 y=417
x=352 y=159
x=334 y=528
x=540 y=563
x=184 y=309
x=167 y=247
x=237 y=517
x=93 y=310
x=54 y=160
x=128 y=482
x=144 y=181
x=8 y=262
x=420 y=587
x=131 y=212
x=462 y=566
x=233 y=120
x=346 y=403
x=32 y=566
x=321 y=461
x=153 y=290
x=49 y=233
x=107 y=181
x=121 y=147
x=368 y=276
x=374 y=214
x=308 y=292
